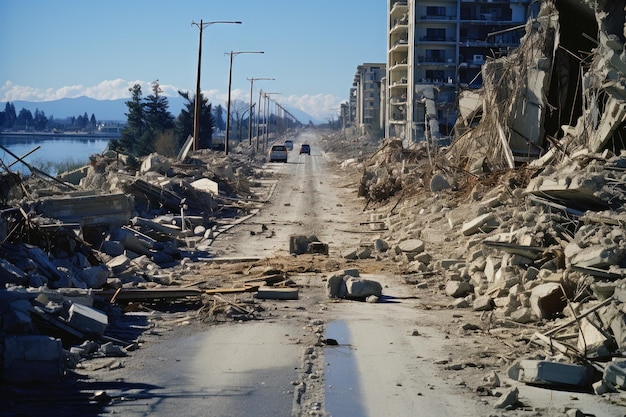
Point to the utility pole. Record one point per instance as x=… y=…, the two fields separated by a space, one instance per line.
x=252 y=80
x=196 y=111
x=230 y=79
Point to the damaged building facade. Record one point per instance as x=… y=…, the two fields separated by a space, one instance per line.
x=436 y=48
x=532 y=192
x=561 y=90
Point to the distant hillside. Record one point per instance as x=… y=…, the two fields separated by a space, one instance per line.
x=108 y=110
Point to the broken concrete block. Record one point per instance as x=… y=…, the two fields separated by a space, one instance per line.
x=483 y=303
x=381 y=245
x=600 y=387
x=335 y=284
x=299 y=244
x=597 y=257
x=9 y=274
x=482 y=223
x=458 y=289
x=206 y=185
x=551 y=373
x=95 y=276
x=592 y=340
x=438 y=183
x=523 y=315
x=547 y=300
x=615 y=373
x=112 y=247
x=449 y=263
x=118 y=264
x=155 y=163
x=32 y=358
x=412 y=246
x=491 y=266
x=88 y=320
x=507 y=399
x=363 y=288
x=618 y=328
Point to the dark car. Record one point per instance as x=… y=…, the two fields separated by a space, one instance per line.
x=305 y=148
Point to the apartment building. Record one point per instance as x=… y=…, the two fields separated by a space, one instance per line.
x=365 y=96
x=437 y=47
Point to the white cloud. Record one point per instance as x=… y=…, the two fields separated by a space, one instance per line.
x=320 y=106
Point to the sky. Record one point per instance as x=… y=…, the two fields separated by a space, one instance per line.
x=100 y=48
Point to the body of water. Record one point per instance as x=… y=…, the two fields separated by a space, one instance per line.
x=53 y=151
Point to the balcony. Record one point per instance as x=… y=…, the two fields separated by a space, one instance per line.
x=399 y=24
x=400 y=5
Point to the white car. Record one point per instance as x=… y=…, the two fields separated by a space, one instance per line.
x=289 y=144
x=278 y=153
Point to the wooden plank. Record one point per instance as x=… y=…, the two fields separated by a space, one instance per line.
x=135 y=294
x=252 y=288
x=271 y=293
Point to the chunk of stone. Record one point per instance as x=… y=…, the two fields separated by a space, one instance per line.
x=32 y=359
x=412 y=246
x=88 y=320
x=95 y=276
x=438 y=183
x=615 y=373
x=299 y=244
x=483 y=303
x=458 y=289
x=523 y=315
x=363 y=288
x=507 y=399
x=597 y=257
x=485 y=222
x=335 y=284
x=547 y=300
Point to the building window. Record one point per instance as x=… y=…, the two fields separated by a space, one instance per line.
x=435 y=34
x=436 y=11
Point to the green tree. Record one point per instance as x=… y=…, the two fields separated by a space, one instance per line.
x=24 y=120
x=157 y=115
x=92 y=123
x=220 y=122
x=9 y=116
x=184 y=122
x=135 y=125
x=41 y=121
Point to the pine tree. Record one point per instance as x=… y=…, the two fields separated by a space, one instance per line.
x=135 y=126
x=184 y=122
x=158 y=118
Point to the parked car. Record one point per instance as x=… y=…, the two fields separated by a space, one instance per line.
x=305 y=148
x=289 y=144
x=278 y=153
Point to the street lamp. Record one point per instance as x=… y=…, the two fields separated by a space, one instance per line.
x=196 y=112
x=267 y=114
x=252 y=80
x=230 y=78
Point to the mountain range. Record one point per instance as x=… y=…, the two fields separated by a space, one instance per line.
x=110 y=110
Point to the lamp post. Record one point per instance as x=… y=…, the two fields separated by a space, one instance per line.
x=196 y=111
x=252 y=80
x=230 y=79
x=267 y=115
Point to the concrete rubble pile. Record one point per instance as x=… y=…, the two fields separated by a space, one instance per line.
x=523 y=216
x=119 y=229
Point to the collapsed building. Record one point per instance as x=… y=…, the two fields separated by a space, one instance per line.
x=70 y=244
x=561 y=90
x=532 y=191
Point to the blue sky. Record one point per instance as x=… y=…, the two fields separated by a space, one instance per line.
x=99 y=48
